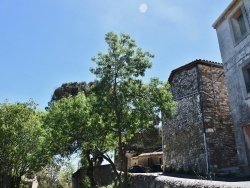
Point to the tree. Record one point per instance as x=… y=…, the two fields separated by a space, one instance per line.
x=72 y=127
x=126 y=104
x=65 y=175
x=67 y=121
x=70 y=89
x=22 y=142
x=49 y=175
x=147 y=140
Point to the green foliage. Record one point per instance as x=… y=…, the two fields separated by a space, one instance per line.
x=85 y=182
x=68 y=124
x=48 y=176
x=110 y=186
x=126 y=104
x=22 y=141
x=70 y=89
x=118 y=105
x=73 y=125
x=65 y=175
x=147 y=140
x=58 y=174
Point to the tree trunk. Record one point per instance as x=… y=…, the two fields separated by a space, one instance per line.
x=125 y=181
x=124 y=162
x=18 y=181
x=90 y=170
x=15 y=181
x=5 y=181
x=112 y=165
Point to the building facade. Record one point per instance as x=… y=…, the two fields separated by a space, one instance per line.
x=233 y=31
x=200 y=137
x=147 y=159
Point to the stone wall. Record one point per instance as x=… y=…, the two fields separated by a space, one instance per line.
x=235 y=57
x=103 y=176
x=203 y=106
x=239 y=102
x=183 y=144
x=132 y=157
x=183 y=136
x=160 y=181
x=184 y=82
x=77 y=178
x=217 y=117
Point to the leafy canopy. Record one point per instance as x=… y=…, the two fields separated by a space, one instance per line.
x=126 y=104
x=22 y=140
x=68 y=125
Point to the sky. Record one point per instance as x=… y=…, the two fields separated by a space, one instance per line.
x=46 y=43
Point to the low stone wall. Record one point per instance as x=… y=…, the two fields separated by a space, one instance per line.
x=162 y=181
x=104 y=175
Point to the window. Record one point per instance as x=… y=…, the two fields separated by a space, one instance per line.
x=242 y=25
x=160 y=161
x=246 y=75
x=239 y=24
x=246 y=130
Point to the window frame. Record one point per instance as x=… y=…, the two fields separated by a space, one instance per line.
x=245 y=78
x=235 y=26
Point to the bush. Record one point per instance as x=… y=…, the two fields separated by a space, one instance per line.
x=85 y=183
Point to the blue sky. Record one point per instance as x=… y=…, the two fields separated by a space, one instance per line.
x=45 y=43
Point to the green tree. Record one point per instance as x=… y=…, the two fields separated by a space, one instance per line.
x=125 y=103
x=22 y=142
x=67 y=121
x=49 y=175
x=70 y=89
x=147 y=140
x=72 y=127
x=65 y=175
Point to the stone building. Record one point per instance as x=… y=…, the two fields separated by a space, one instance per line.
x=103 y=176
x=233 y=30
x=200 y=137
x=147 y=159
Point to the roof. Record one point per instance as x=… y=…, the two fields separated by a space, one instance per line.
x=192 y=64
x=136 y=157
x=225 y=13
x=149 y=154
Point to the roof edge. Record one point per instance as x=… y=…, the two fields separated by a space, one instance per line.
x=225 y=13
x=193 y=63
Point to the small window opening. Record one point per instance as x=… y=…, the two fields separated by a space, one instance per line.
x=239 y=24
x=242 y=24
x=246 y=75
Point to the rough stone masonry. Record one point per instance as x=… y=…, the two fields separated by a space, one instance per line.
x=200 y=137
